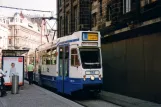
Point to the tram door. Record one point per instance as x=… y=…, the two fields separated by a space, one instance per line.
x=63 y=67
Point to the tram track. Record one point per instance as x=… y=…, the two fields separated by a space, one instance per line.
x=90 y=101
x=97 y=103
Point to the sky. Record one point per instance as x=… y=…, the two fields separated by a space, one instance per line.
x=46 y=5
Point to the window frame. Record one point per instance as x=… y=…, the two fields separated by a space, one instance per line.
x=75 y=58
x=53 y=56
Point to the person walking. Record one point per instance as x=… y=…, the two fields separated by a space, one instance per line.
x=30 y=69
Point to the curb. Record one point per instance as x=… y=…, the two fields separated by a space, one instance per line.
x=125 y=101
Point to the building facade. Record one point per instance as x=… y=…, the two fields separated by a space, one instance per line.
x=73 y=15
x=24 y=33
x=107 y=13
x=4 y=33
x=131 y=36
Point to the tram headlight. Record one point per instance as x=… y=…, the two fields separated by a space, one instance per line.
x=84 y=77
x=100 y=77
x=92 y=77
x=88 y=72
x=97 y=72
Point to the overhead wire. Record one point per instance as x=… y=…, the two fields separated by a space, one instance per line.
x=23 y=9
x=52 y=29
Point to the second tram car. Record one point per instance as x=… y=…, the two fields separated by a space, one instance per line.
x=71 y=63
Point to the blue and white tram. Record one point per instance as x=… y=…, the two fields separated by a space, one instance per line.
x=71 y=63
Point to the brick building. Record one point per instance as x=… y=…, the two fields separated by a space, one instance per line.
x=73 y=15
x=130 y=31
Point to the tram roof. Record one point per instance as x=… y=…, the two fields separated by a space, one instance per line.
x=75 y=35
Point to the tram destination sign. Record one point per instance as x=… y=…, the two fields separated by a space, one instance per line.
x=89 y=36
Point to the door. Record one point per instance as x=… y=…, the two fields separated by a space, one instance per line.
x=63 y=68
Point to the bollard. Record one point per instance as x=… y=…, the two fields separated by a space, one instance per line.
x=15 y=85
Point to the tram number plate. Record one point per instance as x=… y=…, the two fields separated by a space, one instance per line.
x=92 y=72
x=92 y=36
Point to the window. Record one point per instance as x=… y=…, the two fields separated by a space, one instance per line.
x=61 y=22
x=66 y=61
x=75 y=17
x=147 y=2
x=94 y=20
x=126 y=6
x=44 y=58
x=61 y=50
x=53 y=57
x=10 y=41
x=67 y=23
x=60 y=2
x=90 y=58
x=74 y=58
x=48 y=57
x=108 y=13
x=100 y=7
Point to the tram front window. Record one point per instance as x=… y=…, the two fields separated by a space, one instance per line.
x=90 y=58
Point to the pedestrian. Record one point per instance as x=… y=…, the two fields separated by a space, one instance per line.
x=30 y=70
x=3 y=81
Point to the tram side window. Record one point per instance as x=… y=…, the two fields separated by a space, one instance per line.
x=53 y=57
x=44 y=60
x=61 y=61
x=48 y=60
x=66 y=61
x=74 y=58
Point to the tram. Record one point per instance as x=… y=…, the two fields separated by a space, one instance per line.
x=71 y=63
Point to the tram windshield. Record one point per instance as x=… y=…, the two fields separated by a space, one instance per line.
x=90 y=58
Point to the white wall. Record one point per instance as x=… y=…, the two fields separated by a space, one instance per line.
x=25 y=35
x=4 y=32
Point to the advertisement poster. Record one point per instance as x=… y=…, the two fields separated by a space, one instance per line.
x=13 y=66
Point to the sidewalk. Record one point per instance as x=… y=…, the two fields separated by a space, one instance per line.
x=35 y=96
x=126 y=101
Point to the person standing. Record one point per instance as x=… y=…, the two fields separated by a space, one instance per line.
x=30 y=69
